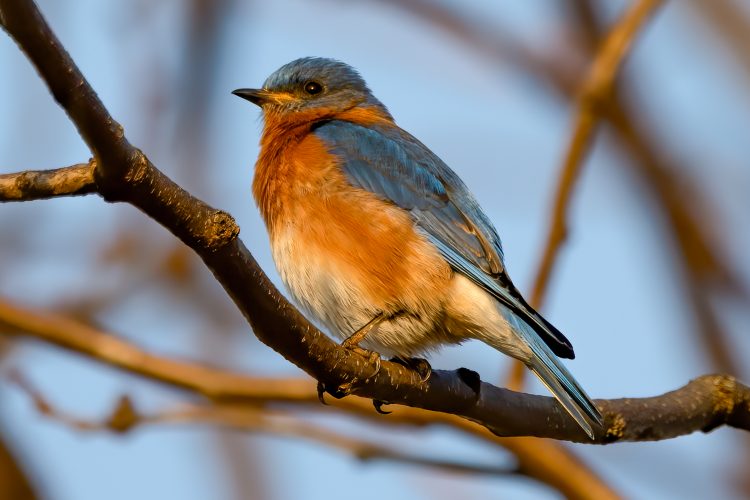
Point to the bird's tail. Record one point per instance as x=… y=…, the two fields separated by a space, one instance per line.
x=557 y=378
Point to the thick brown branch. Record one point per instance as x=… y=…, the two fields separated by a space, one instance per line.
x=75 y=180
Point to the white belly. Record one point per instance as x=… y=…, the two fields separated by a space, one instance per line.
x=336 y=297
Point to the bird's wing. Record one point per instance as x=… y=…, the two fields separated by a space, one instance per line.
x=396 y=166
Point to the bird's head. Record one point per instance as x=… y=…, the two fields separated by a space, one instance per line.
x=314 y=86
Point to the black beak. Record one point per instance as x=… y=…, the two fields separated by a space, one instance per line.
x=255 y=96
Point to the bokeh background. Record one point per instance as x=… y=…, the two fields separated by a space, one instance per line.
x=652 y=285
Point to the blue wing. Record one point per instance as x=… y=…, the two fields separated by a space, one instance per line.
x=393 y=164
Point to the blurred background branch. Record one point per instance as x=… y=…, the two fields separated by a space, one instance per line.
x=596 y=90
x=125 y=418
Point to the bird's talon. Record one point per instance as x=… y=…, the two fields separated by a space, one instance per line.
x=339 y=392
x=419 y=365
x=378 y=404
x=371 y=356
x=343 y=390
x=374 y=359
x=322 y=393
x=423 y=368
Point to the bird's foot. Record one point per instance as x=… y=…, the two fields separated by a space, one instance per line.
x=378 y=404
x=419 y=365
x=372 y=357
x=343 y=390
x=337 y=392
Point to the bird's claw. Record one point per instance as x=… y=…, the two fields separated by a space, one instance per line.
x=378 y=404
x=346 y=388
x=337 y=392
x=419 y=365
x=322 y=393
x=371 y=356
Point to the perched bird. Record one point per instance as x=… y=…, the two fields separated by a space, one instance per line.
x=379 y=239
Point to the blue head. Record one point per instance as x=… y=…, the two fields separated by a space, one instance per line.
x=312 y=83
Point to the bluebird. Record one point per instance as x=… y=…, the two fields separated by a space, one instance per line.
x=379 y=240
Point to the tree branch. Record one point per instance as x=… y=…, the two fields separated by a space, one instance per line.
x=703 y=404
x=124 y=417
x=75 y=180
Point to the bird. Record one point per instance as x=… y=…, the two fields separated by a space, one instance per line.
x=379 y=240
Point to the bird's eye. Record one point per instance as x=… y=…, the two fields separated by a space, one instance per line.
x=313 y=88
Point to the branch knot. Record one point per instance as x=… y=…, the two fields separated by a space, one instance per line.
x=222 y=230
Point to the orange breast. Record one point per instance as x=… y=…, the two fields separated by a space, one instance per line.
x=329 y=236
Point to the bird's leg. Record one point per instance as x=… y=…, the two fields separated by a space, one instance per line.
x=419 y=365
x=352 y=343
x=353 y=340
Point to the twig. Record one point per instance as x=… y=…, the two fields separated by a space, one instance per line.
x=14 y=481
x=75 y=180
x=731 y=24
x=124 y=418
x=703 y=268
x=78 y=337
x=596 y=90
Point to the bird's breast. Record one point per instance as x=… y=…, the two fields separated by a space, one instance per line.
x=339 y=248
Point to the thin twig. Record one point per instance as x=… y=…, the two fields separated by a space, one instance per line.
x=75 y=180
x=729 y=20
x=702 y=263
x=596 y=91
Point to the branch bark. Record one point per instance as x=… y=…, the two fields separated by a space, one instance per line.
x=75 y=180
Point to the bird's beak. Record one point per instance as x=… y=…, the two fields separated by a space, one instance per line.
x=255 y=96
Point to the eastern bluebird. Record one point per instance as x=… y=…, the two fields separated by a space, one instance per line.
x=379 y=239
